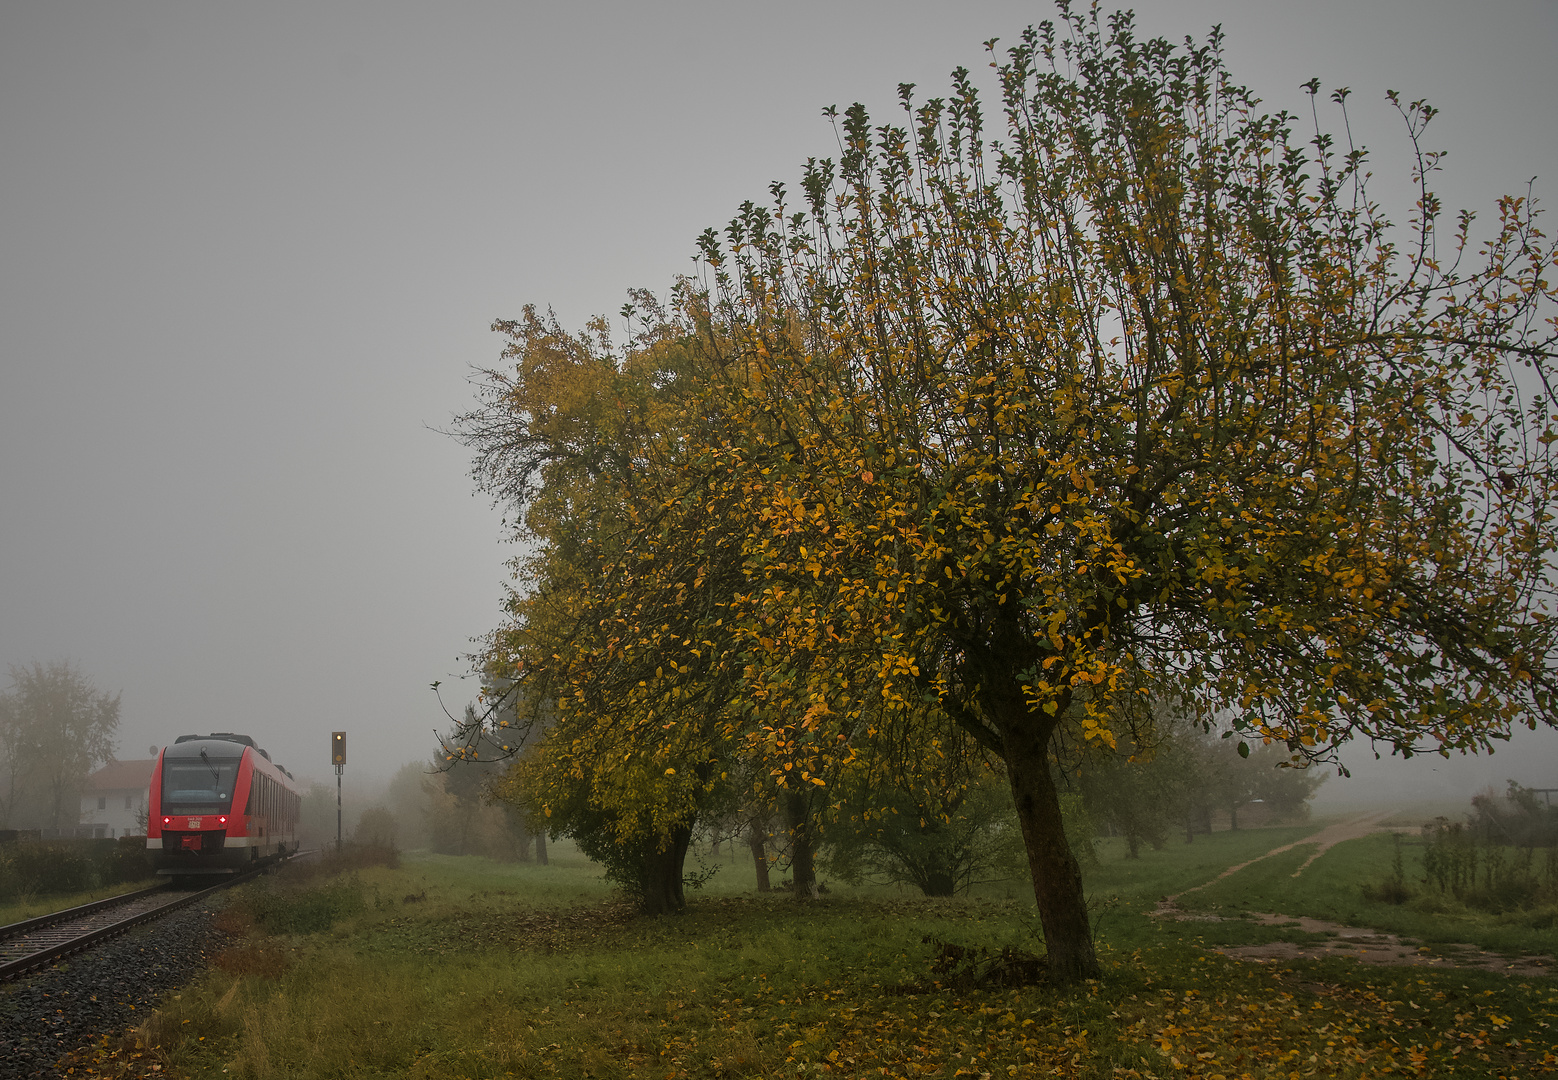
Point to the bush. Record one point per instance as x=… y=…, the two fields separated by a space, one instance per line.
x=1394 y=889
x=890 y=837
x=60 y=867
x=1478 y=863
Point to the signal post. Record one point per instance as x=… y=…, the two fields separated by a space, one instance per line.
x=338 y=759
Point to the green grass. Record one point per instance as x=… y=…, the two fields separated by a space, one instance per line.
x=32 y=907
x=1180 y=866
x=498 y=970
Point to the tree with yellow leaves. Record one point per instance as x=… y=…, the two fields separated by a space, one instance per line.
x=1145 y=398
x=615 y=670
x=1145 y=395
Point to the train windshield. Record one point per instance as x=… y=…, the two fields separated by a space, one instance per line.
x=201 y=785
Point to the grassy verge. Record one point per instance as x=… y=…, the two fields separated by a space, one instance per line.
x=462 y=968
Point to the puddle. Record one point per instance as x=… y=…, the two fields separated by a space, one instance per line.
x=1354 y=942
x=1379 y=947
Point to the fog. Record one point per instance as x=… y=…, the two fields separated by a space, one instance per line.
x=249 y=255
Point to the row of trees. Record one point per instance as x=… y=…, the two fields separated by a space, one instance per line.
x=1184 y=780
x=55 y=729
x=885 y=835
x=450 y=812
x=1002 y=448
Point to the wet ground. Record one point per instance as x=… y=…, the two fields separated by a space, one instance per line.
x=1354 y=942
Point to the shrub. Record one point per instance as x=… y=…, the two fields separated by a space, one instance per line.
x=59 y=867
x=1394 y=889
x=1477 y=863
x=890 y=837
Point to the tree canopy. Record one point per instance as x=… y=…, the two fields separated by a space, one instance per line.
x=55 y=728
x=1145 y=396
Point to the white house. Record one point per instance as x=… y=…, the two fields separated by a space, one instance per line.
x=113 y=803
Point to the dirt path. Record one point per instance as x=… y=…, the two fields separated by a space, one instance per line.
x=1361 y=944
x=1325 y=840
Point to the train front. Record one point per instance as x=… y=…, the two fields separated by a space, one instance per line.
x=191 y=828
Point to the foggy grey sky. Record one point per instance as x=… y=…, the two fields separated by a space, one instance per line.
x=249 y=254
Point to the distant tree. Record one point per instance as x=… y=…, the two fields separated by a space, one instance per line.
x=1144 y=787
x=1231 y=780
x=13 y=765
x=967 y=836
x=317 y=823
x=469 y=812
x=55 y=728
x=1138 y=790
x=376 y=827
x=408 y=799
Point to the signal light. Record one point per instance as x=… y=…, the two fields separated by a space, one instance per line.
x=338 y=748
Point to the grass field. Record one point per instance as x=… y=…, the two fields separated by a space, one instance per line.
x=465 y=968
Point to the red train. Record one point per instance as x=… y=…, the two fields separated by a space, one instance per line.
x=219 y=804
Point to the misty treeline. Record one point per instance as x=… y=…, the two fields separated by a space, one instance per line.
x=1012 y=432
x=425 y=806
x=55 y=729
x=1186 y=780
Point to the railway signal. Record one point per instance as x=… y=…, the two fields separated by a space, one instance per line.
x=338 y=759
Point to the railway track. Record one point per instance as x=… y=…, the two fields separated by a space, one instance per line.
x=36 y=943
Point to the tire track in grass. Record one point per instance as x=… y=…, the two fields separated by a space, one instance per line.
x=1324 y=841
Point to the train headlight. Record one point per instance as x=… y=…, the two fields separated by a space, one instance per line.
x=221 y=821
x=167 y=821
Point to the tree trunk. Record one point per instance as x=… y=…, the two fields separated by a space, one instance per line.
x=803 y=860
x=541 y=848
x=1057 y=878
x=939 y=883
x=663 y=876
x=756 y=839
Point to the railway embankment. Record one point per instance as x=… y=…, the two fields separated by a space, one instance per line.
x=104 y=990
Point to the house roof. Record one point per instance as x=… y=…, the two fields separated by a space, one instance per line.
x=120 y=775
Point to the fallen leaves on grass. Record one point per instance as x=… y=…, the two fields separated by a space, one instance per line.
x=539 y=929
x=116 y=1058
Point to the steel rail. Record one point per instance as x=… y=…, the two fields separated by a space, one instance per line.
x=48 y=954
x=26 y=926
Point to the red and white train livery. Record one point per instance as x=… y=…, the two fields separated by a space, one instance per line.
x=217 y=805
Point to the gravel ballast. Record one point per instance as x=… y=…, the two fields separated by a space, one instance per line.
x=102 y=991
